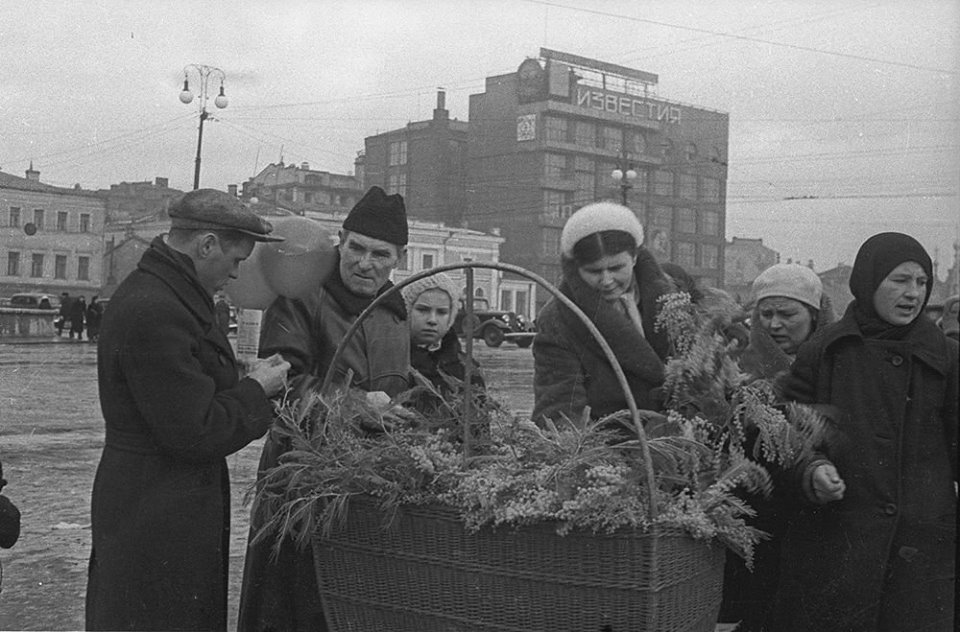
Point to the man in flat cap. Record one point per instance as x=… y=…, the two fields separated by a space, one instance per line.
x=174 y=407
x=282 y=594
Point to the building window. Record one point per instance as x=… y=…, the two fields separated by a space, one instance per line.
x=506 y=300
x=554 y=166
x=550 y=242
x=84 y=222
x=686 y=254
x=662 y=217
x=36 y=266
x=83 y=268
x=521 y=303
x=709 y=256
x=586 y=187
x=663 y=183
x=690 y=151
x=427 y=260
x=556 y=129
x=688 y=186
x=582 y=163
x=60 y=267
x=710 y=189
x=586 y=134
x=13 y=264
x=612 y=138
x=640 y=183
x=637 y=143
x=38 y=218
x=710 y=220
x=397 y=183
x=14 y=217
x=397 y=153
x=686 y=220
x=62 y=221
x=552 y=201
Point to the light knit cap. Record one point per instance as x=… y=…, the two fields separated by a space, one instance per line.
x=596 y=218
x=789 y=280
x=438 y=281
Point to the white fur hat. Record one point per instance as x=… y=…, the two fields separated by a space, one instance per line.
x=789 y=280
x=598 y=217
x=438 y=281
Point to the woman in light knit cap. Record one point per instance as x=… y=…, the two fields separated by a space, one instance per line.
x=432 y=305
x=873 y=546
x=789 y=305
x=617 y=283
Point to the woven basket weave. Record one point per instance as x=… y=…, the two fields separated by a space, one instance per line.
x=425 y=572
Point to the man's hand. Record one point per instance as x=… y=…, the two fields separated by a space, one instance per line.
x=271 y=373
x=826 y=484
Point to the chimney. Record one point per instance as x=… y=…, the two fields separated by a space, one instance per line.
x=232 y=189
x=32 y=174
x=161 y=182
x=441 y=113
x=810 y=263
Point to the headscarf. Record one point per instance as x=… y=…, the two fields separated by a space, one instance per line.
x=877 y=257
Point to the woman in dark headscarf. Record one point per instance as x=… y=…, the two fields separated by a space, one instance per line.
x=873 y=549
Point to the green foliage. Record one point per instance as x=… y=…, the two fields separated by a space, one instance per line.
x=578 y=475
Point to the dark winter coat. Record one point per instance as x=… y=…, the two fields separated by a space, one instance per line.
x=174 y=409
x=439 y=364
x=883 y=557
x=570 y=370
x=9 y=518
x=282 y=594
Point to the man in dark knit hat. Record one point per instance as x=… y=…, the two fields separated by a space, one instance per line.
x=281 y=594
x=174 y=408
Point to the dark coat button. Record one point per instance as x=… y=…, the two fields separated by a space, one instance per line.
x=890 y=509
x=896 y=360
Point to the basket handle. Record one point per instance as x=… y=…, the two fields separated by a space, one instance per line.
x=506 y=267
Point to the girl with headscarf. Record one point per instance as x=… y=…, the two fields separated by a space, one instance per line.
x=617 y=283
x=873 y=548
x=432 y=305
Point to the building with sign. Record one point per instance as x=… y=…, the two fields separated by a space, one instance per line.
x=547 y=139
x=424 y=162
x=51 y=238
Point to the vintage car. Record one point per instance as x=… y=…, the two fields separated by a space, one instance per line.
x=494 y=326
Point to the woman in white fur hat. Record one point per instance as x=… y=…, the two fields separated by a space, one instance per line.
x=617 y=283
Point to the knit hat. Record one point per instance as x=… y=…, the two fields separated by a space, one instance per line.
x=379 y=216
x=438 y=281
x=596 y=218
x=789 y=280
x=877 y=258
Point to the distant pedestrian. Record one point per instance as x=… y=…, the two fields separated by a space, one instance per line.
x=64 y=314
x=949 y=322
x=94 y=315
x=77 y=312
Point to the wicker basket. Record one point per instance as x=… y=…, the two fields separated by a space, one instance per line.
x=424 y=572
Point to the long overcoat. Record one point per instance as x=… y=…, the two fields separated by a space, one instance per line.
x=280 y=593
x=570 y=370
x=882 y=558
x=174 y=409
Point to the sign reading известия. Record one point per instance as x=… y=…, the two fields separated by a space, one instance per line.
x=627 y=105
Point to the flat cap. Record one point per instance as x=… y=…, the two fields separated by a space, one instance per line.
x=216 y=210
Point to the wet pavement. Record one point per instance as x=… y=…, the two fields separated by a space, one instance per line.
x=51 y=434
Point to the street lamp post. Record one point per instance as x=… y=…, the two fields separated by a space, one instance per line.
x=186 y=96
x=624 y=174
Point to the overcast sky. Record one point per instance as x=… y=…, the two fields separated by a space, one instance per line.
x=854 y=102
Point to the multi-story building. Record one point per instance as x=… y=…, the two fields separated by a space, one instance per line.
x=744 y=259
x=51 y=238
x=301 y=188
x=424 y=162
x=129 y=201
x=547 y=139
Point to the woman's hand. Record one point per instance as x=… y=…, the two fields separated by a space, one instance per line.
x=826 y=484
